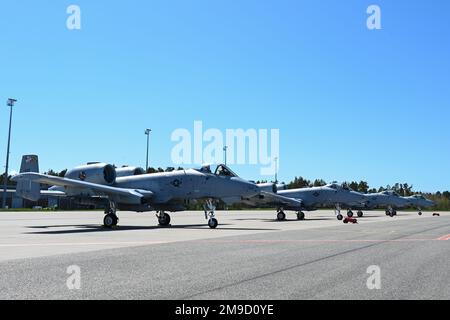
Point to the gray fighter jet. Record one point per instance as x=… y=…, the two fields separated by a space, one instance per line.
x=390 y=200
x=420 y=202
x=98 y=183
x=306 y=199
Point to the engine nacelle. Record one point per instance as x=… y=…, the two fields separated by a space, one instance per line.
x=100 y=173
x=129 y=171
x=268 y=187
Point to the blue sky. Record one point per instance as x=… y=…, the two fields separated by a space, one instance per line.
x=350 y=103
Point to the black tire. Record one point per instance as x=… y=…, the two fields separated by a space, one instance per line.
x=300 y=216
x=340 y=217
x=110 y=221
x=346 y=221
x=360 y=214
x=164 y=220
x=420 y=213
x=350 y=214
x=213 y=223
x=281 y=216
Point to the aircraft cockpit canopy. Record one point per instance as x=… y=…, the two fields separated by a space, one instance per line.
x=221 y=170
x=334 y=186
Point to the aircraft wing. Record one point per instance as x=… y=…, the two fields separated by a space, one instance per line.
x=270 y=198
x=132 y=195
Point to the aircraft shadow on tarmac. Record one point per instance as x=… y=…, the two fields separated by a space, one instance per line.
x=98 y=228
x=287 y=220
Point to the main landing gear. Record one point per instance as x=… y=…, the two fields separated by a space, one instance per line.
x=210 y=215
x=360 y=214
x=163 y=219
x=350 y=214
x=391 y=212
x=111 y=219
x=281 y=216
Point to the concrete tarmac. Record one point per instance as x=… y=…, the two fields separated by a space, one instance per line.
x=250 y=256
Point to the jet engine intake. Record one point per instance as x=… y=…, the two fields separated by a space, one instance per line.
x=100 y=173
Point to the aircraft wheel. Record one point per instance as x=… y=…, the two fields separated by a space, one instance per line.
x=110 y=221
x=213 y=223
x=340 y=217
x=281 y=216
x=350 y=213
x=300 y=216
x=360 y=214
x=164 y=219
x=420 y=213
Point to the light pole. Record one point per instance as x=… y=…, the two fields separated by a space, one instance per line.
x=147 y=132
x=225 y=148
x=10 y=103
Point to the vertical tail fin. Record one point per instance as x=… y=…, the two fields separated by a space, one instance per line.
x=25 y=188
x=30 y=163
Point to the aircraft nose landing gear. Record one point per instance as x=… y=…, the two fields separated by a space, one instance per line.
x=337 y=211
x=210 y=214
x=213 y=223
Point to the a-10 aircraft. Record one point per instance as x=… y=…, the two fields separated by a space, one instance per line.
x=392 y=201
x=100 y=183
x=420 y=202
x=307 y=199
